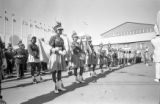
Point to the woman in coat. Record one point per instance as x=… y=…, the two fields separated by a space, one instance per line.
x=57 y=61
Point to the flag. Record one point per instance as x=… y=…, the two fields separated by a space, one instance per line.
x=44 y=51
x=49 y=30
x=6 y=18
x=45 y=30
x=14 y=20
x=37 y=26
x=25 y=23
x=31 y=25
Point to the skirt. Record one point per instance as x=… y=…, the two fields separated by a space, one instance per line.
x=56 y=62
x=76 y=61
x=91 y=59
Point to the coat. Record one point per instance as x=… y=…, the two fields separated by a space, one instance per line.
x=56 y=60
x=156 y=55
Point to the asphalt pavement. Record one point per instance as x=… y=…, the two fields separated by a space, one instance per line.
x=130 y=85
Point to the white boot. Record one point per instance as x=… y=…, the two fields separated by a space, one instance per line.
x=56 y=88
x=76 y=79
x=39 y=78
x=81 y=79
x=60 y=86
x=94 y=74
x=102 y=70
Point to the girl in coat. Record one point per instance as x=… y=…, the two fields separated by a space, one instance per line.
x=57 y=61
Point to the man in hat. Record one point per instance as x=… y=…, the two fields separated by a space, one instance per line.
x=34 y=60
x=92 y=59
x=101 y=57
x=9 y=58
x=20 y=55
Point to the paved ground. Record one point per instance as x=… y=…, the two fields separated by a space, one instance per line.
x=129 y=85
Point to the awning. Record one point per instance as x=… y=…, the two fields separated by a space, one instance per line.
x=127 y=38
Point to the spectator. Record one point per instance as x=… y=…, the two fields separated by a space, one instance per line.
x=10 y=59
x=20 y=55
x=34 y=60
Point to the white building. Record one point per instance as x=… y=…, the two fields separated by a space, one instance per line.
x=129 y=35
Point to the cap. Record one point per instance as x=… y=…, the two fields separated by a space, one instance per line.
x=74 y=35
x=101 y=44
x=59 y=28
x=89 y=38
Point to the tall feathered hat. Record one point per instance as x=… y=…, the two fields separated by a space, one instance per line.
x=74 y=35
x=101 y=44
x=89 y=38
x=58 y=26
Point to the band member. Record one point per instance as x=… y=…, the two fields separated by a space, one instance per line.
x=108 y=56
x=146 y=56
x=9 y=58
x=34 y=60
x=101 y=58
x=20 y=55
x=77 y=59
x=92 y=57
x=57 y=60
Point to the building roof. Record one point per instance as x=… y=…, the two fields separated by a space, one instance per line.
x=129 y=38
x=129 y=28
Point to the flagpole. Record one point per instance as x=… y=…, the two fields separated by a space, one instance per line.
x=44 y=31
x=22 y=29
x=4 y=30
x=30 y=28
x=12 y=28
x=4 y=37
x=34 y=29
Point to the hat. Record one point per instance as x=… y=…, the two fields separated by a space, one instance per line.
x=101 y=44
x=89 y=38
x=58 y=27
x=9 y=45
x=19 y=42
x=33 y=37
x=74 y=35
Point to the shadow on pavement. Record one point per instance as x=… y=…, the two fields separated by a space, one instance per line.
x=23 y=84
x=30 y=83
x=51 y=96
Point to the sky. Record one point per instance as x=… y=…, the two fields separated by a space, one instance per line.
x=91 y=17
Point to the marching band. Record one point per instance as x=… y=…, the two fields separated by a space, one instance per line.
x=79 y=55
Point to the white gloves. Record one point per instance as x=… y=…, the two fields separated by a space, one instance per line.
x=54 y=50
x=58 y=50
x=62 y=52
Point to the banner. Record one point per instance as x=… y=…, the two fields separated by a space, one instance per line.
x=44 y=51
